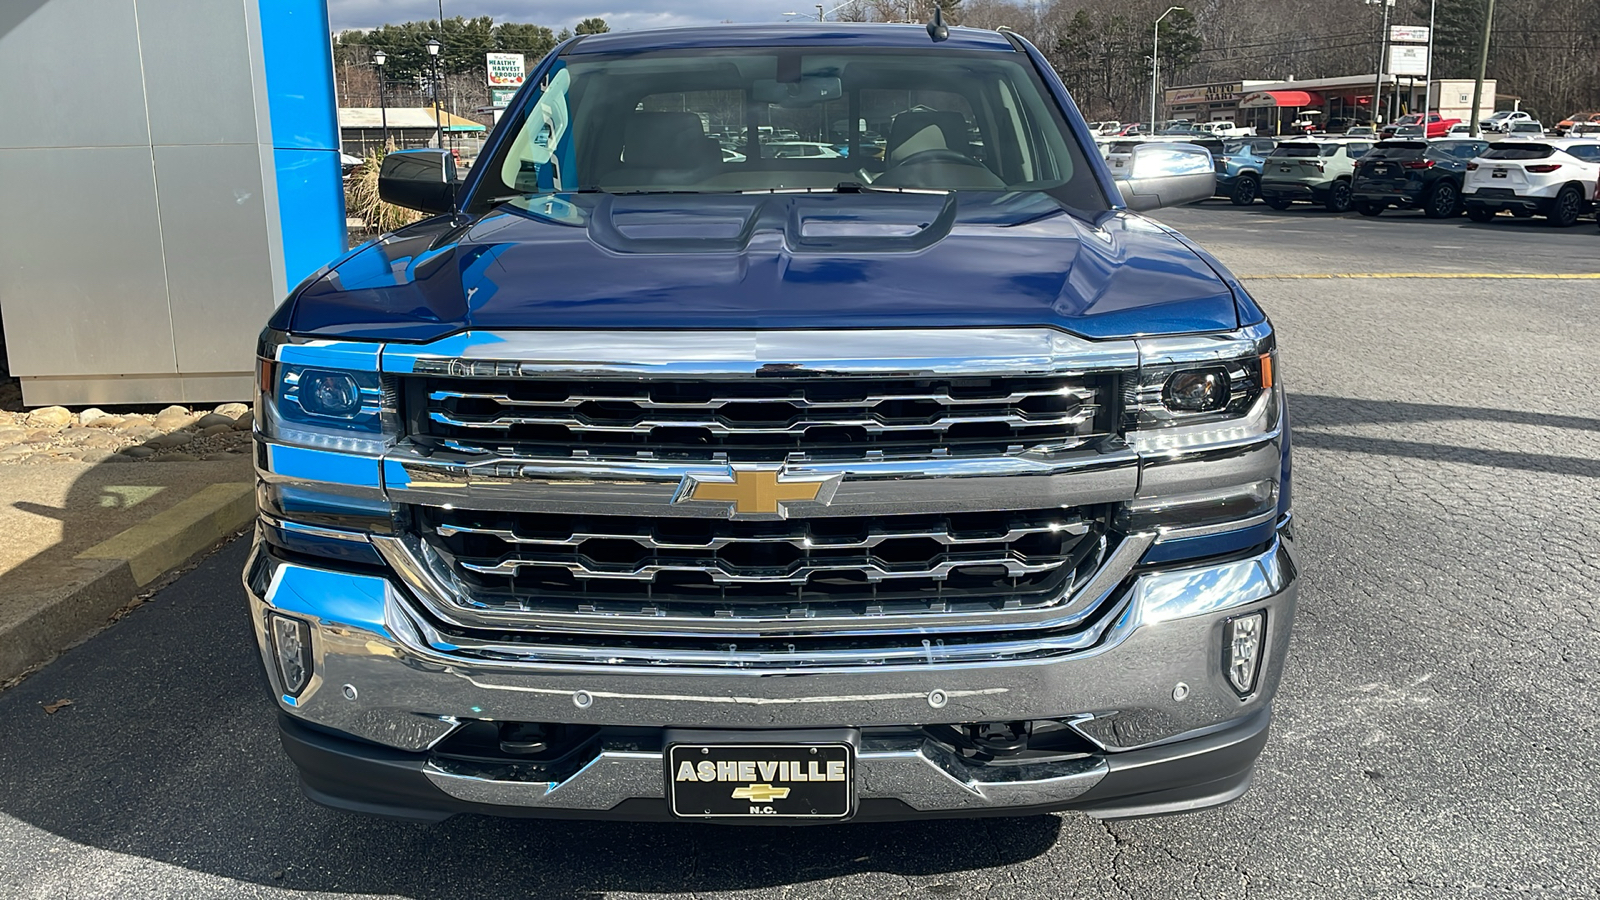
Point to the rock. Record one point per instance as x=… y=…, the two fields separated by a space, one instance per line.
x=232 y=410
x=170 y=440
x=130 y=423
x=10 y=434
x=50 y=417
x=216 y=457
x=172 y=418
x=215 y=430
x=141 y=434
x=76 y=433
x=139 y=452
x=101 y=440
x=16 y=452
x=211 y=420
x=245 y=421
x=42 y=436
x=95 y=455
x=117 y=458
x=105 y=422
x=91 y=414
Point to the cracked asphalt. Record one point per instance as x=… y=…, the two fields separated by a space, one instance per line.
x=1437 y=726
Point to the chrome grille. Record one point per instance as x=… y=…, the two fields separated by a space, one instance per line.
x=785 y=569
x=764 y=418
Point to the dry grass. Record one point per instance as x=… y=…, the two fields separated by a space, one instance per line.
x=361 y=200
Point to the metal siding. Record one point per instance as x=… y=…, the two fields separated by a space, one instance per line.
x=198 y=80
x=305 y=133
x=82 y=278
x=44 y=53
x=214 y=226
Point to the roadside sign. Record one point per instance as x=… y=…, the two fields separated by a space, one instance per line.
x=506 y=70
x=500 y=98
x=1408 y=34
x=1408 y=59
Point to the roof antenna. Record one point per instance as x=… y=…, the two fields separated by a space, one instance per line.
x=936 y=27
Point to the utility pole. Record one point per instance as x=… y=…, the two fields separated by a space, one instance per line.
x=1427 y=84
x=1383 y=51
x=1483 y=65
x=1155 y=65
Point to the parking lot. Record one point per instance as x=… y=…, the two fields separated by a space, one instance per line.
x=1435 y=733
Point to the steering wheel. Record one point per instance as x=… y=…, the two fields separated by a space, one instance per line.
x=939 y=155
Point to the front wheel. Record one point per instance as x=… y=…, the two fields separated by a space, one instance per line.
x=1480 y=213
x=1278 y=202
x=1370 y=208
x=1568 y=206
x=1443 y=201
x=1338 y=197
x=1245 y=190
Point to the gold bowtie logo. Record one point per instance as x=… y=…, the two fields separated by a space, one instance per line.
x=760 y=793
x=756 y=491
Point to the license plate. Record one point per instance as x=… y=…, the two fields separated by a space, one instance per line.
x=770 y=781
x=1380 y=170
x=1498 y=173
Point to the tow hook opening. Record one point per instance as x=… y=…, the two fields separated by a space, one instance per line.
x=1003 y=742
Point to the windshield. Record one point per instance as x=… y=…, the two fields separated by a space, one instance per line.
x=764 y=119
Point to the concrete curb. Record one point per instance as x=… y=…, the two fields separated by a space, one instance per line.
x=108 y=575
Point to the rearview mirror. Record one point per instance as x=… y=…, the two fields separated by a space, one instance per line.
x=1171 y=174
x=808 y=91
x=424 y=180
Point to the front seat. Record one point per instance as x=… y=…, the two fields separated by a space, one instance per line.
x=662 y=149
x=930 y=149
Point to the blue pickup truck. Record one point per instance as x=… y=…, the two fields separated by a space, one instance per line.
x=646 y=481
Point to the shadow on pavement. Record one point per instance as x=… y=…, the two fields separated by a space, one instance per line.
x=170 y=753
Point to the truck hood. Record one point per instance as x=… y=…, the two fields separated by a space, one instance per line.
x=758 y=261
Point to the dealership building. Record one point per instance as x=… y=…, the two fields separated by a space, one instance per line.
x=1272 y=107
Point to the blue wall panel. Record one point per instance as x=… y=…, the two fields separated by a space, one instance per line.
x=305 y=132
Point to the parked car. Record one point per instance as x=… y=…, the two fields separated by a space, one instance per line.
x=1312 y=170
x=1459 y=129
x=1366 y=131
x=1225 y=128
x=669 y=489
x=1503 y=120
x=798 y=150
x=1524 y=128
x=1105 y=127
x=1554 y=178
x=1239 y=168
x=1570 y=123
x=1437 y=126
x=1412 y=174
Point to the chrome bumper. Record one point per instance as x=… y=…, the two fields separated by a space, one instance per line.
x=1154 y=677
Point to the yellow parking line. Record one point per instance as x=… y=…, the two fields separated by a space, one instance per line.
x=1569 y=276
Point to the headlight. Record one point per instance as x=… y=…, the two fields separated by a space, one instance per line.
x=1188 y=381
x=1196 y=390
x=325 y=395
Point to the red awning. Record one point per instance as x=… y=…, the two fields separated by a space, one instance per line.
x=1289 y=99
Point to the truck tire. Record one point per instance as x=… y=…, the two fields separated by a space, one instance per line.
x=1338 y=197
x=1568 y=206
x=1245 y=190
x=1443 y=202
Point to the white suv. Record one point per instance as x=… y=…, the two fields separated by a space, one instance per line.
x=1550 y=178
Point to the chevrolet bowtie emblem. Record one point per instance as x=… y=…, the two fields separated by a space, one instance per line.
x=757 y=491
x=760 y=793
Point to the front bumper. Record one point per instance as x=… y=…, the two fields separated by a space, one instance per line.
x=1148 y=694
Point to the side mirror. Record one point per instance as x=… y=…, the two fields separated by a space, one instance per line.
x=1167 y=175
x=424 y=180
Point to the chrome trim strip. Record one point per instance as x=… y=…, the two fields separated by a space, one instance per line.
x=1076 y=526
x=647 y=487
x=797 y=402
x=431 y=587
x=869 y=424
x=357 y=537
x=719 y=574
x=908 y=352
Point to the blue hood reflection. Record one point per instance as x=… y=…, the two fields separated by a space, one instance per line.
x=596 y=261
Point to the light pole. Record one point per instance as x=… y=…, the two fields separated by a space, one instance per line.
x=438 y=110
x=1155 y=64
x=822 y=15
x=1383 y=50
x=378 y=59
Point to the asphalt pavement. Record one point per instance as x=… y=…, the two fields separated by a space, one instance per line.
x=1436 y=732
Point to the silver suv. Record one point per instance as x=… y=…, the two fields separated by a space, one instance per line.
x=1317 y=171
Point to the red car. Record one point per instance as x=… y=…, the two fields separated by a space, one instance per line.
x=1438 y=126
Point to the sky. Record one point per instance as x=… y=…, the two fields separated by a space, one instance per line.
x=621 y=15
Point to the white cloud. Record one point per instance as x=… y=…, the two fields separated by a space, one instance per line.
x=621 y=15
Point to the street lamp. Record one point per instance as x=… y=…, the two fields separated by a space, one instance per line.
x=438 y=110
x=1155 y=64
x=1383 y=50
x=822 y=14
x=378 y=59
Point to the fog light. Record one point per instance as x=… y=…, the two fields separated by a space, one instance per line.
x=291 y=642
x=1241 y=650
x=1196 y=390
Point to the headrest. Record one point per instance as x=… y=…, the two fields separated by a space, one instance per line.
x=666 y=140
x=914 y=132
